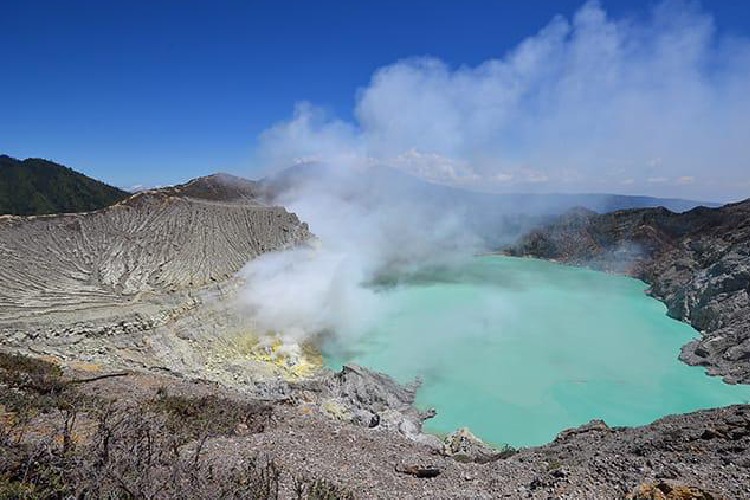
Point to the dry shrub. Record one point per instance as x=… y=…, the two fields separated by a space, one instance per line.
x=150 y=450
x=193 y=418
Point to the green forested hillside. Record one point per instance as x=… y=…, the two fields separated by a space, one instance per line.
x=34 y=186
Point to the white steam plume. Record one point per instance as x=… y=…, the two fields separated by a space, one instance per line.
x=366 y=227
x=658 y=105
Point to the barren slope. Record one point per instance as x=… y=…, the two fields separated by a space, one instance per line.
x=147 y=248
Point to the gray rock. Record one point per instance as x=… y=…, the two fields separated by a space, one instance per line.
x=368 y=390
x=464 y=446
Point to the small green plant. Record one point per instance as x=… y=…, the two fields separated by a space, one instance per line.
x=319 y=489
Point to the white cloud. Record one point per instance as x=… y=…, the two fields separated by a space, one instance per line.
x=663 y=96
x=685 y=179
x=502 y=177
x=533 y=175
x=654 y=163
x=434 y=167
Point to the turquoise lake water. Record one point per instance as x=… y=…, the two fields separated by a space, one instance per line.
x=519 y=349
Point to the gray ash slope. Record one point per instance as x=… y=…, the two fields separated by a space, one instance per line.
x=697 y=263
x=153 y=245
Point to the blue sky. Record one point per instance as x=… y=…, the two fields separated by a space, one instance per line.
x=145 y=92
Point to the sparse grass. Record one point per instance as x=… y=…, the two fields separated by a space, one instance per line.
x=554 y=465
x=57 y=444
x=507 y=451
x=40 y=382
x=190 y=419
x=30 y=388
x=320 y=490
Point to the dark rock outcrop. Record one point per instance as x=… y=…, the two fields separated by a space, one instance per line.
x=220 y=187
x=375 y=400
x=369 y=390
x=697 y=263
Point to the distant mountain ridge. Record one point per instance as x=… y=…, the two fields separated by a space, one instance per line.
x=35 y=186
x=218 y=187
x=380 y=178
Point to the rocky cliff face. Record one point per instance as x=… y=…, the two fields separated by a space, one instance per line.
x=697 y=262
